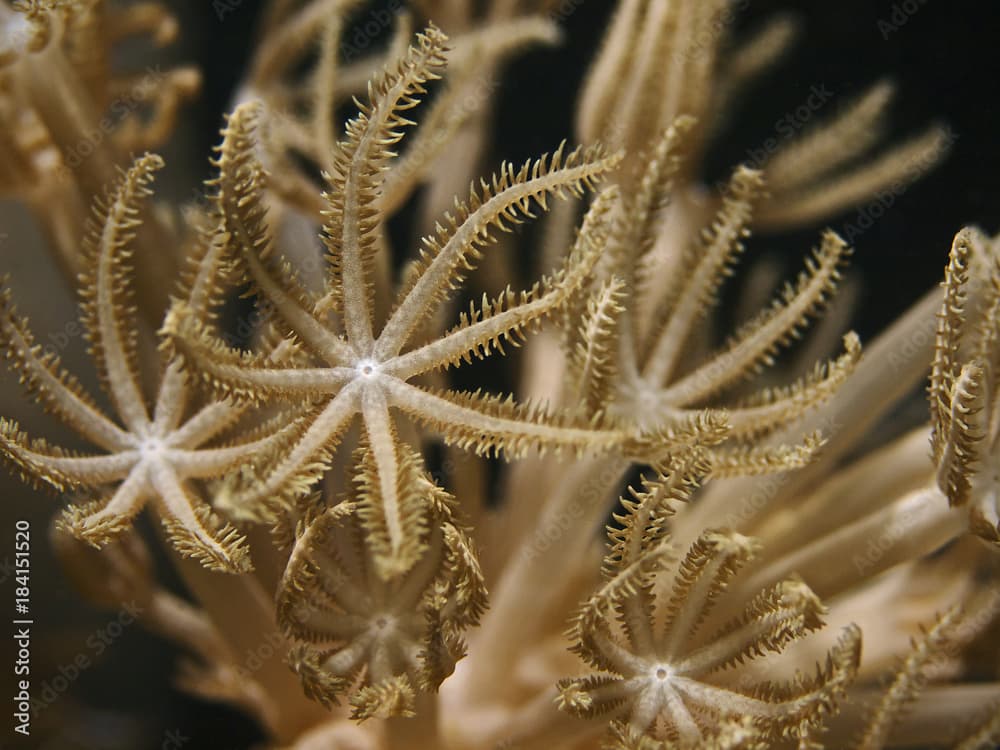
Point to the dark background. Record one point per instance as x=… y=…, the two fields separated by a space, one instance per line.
x=943 y=60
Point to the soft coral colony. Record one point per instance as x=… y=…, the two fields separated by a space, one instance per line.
x=327 y=489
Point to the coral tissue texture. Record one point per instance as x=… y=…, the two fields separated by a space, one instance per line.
x=648 y=528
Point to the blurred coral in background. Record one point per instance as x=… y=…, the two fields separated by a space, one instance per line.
x=390 y=461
